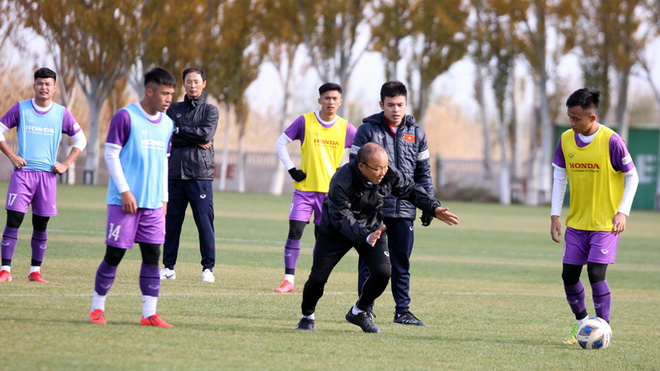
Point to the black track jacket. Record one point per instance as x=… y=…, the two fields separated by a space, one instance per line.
x=353 y=207
x=407 y=151
x=197 y=122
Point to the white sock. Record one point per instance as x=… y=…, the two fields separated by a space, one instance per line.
x=356 y=310
x=149 y=305
x=289 y=277
x=6 y=268
x=98 y=302
x=34 y=268
x=311 y=316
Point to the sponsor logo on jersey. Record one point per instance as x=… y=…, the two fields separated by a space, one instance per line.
x=409 y=138
x=326 y=142
x=583 y=165
x=40 y=129
x=152 y=143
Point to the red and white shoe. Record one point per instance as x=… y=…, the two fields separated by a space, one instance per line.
x=36 y=277
x=286 y=286
x=155 y=321
x=97 y=316
x=5 y=276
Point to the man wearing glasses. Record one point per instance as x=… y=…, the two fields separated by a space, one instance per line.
x=352 y=218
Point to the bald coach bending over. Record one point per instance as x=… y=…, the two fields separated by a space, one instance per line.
x=352 y=218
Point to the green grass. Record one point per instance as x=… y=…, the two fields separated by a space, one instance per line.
x=489 y=290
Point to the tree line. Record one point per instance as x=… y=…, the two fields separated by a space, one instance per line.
x=102 y=47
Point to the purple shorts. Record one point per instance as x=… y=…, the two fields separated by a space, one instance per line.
x=123 y=230
x=582 y=247
x=38 y=188
x=304 y=203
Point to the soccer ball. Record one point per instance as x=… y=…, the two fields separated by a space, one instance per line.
x=594 y=333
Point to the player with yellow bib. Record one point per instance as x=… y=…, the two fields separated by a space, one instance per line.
x=324 y=136
x=594 y=160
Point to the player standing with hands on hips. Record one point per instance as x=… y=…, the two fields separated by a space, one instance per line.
x=594 y=160
x=352 y=218
x=136 y=154
x=39 y=124
x=323 y=136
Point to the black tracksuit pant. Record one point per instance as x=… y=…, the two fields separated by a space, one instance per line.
x=199 y=193
x=330 y=247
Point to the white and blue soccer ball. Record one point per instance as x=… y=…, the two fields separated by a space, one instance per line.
x=594 y=333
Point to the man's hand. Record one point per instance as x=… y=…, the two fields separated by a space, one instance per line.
x=555 y=228
x=205 y=145
x=374 y=236
x=297 y=175
x=426 y=219
x=443 y=214
x=60 y=168
x=128 y=203
x=619 y=223
x=18 y=162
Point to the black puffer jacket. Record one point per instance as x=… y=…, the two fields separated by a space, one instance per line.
x=353 y=207
x=197 y=122
x=407 y=151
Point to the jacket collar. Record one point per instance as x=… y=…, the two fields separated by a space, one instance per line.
x=193 y=101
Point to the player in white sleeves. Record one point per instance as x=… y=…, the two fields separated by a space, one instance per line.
x=39 y=124
x=136 y=154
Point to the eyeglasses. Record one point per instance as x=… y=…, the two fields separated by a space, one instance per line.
x=376 y=169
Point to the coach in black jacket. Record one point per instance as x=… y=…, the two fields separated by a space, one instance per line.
x=405 y=144
x=190 y=178
x=352 y=217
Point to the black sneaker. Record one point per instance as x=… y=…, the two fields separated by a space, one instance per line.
x=407 y=319
x=363 y=320
x=306 y=324
x=371 y=314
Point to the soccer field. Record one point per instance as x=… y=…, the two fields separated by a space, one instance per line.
x=489 y=290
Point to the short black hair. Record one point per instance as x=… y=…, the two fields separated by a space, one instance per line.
x=193 y=69
x=328 y=86
x=45 y=73
x=159 y=76
x=393 y=89
x=585 y=98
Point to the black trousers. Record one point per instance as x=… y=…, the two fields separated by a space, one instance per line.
x=199 y=193
x=401 y=239
x=330 y=247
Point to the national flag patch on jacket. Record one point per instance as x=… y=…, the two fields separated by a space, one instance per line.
x=409 y=138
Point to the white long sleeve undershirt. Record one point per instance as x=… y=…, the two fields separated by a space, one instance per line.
x=111 y=155
x=282 y=152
